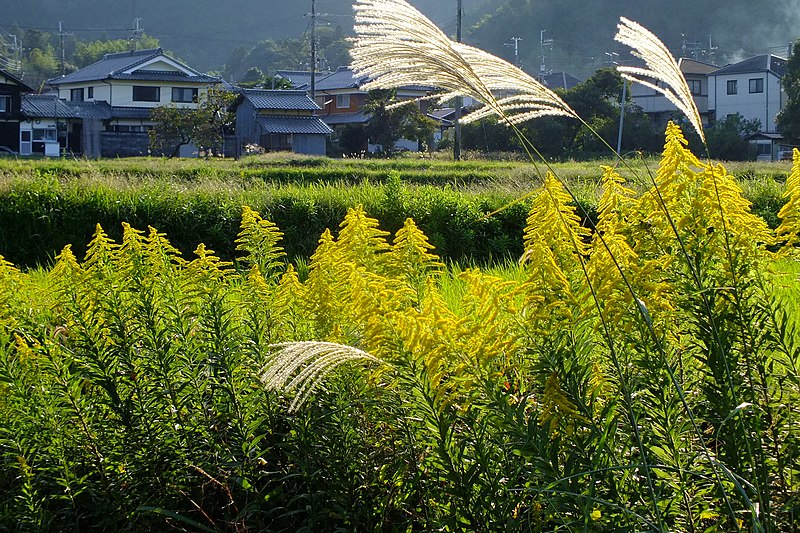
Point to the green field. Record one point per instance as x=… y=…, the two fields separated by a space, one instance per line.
x=512 y=372
x=48 y=204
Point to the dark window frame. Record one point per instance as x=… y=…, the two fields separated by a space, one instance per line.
x=146 y=93
x=76 y=95
x=341 y=97
x=757 y=87
x=7 y=103
x=695 y=84
x=733 y=87
x=179 y=94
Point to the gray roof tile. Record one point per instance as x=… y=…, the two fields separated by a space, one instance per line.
x=141 y=113
x=343 y=78
x=50 y=106
x=359 y=117
x=300 y=125
x=46 y=106
x=277 y=99
x=762 y=63
x=113 y=66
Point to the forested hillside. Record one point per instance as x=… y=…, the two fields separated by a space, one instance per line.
x=233 y=36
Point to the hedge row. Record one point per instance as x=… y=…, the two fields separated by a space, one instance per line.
x=47 y=205
x=39 y=217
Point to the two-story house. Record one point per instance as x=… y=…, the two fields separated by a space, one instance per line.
x=11 y=89
x=279 y=120
x=342 y=101
x=753 y=89
x=131 y=84
x=661 y=110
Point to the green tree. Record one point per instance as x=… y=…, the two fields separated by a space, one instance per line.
x=40 y=65
x=205 y=126
x=789 y=118
x=387 y=125
x=88 y=52
x=727 y=138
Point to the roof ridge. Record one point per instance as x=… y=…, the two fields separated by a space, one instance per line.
x=133 y=53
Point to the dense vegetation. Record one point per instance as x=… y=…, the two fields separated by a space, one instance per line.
x=641 y=377
x=45 y=205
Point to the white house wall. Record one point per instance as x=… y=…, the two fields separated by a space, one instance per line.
x=763 y=106
x=121 y=94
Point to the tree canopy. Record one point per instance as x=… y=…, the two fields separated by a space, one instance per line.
x=205 y=126
x=789 y=118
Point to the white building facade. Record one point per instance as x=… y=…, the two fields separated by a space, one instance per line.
x=751 y=88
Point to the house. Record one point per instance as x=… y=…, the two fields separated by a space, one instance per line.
x=662 y=110
x=51 y=124
x=11 y=90
x=131 y=84
x=279 y=120
x=342 y=101
x=753 y=88
x=557 y=80
x=301 y=79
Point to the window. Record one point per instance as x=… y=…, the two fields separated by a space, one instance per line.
x=764 y=149
x=342 y=101
x=41 y=134
x=184 y=94
x=146 y=94
x=732 y=88
x=695 y=87
x=5 y=103
x=90 y=93
x=757 y=85
x=76 y=95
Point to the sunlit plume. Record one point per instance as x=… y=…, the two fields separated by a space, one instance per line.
x=397 y=46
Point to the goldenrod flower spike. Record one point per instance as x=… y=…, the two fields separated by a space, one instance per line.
x=396 y=45
x=661 y=67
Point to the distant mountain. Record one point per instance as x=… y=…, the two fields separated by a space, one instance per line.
x=202 y=32
x=577 y=33
x=574 y=35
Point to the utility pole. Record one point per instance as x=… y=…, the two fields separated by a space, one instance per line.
x=613 y=60
x=137 y=33
x=621 y=116
x=313 y=50
x=544 y=43
x=515 y=44
x=459 y=101
x=61 y=36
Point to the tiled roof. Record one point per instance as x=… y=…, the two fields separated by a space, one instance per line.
x=343 y=78
x=301 y=79
x=692 y=66
x=560 y=80
x=762 y=63
x=359 y=117
x=46 y=106
x=22 y=85
x=277 y=99
x=113 y=66
x=141 y=113
x=300 y=125
x=50 y=106
x=99 y=110
x=166 y=76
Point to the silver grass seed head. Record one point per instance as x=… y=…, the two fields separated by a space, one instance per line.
x=396 y=46
x=300 y=367
x=660 y=67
